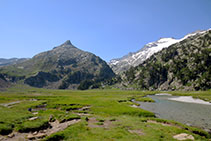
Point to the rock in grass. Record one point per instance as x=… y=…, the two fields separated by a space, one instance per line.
x=30 y=137
x=40 y=135
x=183 y=136
x=11 y=135
x=35 y=113
x=35 y=133
x=33 y=118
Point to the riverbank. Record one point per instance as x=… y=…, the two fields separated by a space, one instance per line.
x=184 y=109
x=101 y=114
x=189 y=99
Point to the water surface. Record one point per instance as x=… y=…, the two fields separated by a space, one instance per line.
x=194 y=114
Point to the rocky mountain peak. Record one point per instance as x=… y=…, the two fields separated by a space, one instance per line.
x=65 y=66
x=67 y=43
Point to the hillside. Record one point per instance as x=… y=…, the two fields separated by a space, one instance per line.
x=12 y=61
x=185 y=65
x=62 y=67
x=134 y=59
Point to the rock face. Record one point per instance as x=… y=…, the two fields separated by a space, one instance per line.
x=134 y=59
x=62 y=67
x=3 y=82
x=185 y=65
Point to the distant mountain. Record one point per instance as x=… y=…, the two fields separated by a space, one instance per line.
x=185 y=65
x=62 y=67
x=12 y=61
x=134 y=59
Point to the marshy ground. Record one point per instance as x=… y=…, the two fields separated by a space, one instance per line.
x=42 y=114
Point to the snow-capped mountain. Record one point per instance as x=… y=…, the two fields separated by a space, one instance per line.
x=133 y=59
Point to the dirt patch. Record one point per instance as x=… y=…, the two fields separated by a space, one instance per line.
x=83 y=114
x=183 y=136
x=57 y=126
x=138 y=132
x=164 y=124
x=94 y=123
x=85 y=108
x=33 y=118
x=38 y=135
x=10 y=104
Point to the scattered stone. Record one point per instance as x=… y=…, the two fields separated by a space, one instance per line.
x=134 y=106
x=31 y=137
x=44 y=131
x=35 y=113
x=183 y=136
x=35 y=133
x=11 y=135
x=40 y=135
x=33 y=118
x=84 y=108
x=56 y=126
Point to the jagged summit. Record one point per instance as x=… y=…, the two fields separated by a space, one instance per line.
x=67 y=43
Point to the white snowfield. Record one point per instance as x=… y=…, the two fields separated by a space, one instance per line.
x=189 y=99
x=134 y=59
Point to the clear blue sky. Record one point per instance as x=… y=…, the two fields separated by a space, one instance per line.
x=107 y=28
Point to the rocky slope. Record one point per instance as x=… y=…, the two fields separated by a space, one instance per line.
x=62 y=67
x=12 y=61
x=184 y=65
x=134 y=59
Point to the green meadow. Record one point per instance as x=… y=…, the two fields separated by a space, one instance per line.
x=101 y=115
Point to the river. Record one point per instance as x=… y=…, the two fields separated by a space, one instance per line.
x=193 y=114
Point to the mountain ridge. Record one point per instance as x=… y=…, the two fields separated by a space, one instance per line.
x=185 y=65
x=122 y=64
x=65 y=66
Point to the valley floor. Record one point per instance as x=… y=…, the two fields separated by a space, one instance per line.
x=42 y=114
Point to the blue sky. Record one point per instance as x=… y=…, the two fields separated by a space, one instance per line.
x=107 y=28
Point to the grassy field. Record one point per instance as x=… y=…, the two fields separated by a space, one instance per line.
x=104 y=115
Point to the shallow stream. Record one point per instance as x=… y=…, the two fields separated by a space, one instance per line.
x=194 y=114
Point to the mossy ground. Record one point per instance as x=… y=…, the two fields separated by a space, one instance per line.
x=115 y=118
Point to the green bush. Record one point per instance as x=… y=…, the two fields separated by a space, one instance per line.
x=5 y=129
x=55 y=137
x=31 y=126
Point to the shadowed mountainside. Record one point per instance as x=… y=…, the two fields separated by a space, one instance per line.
x=62 y=67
